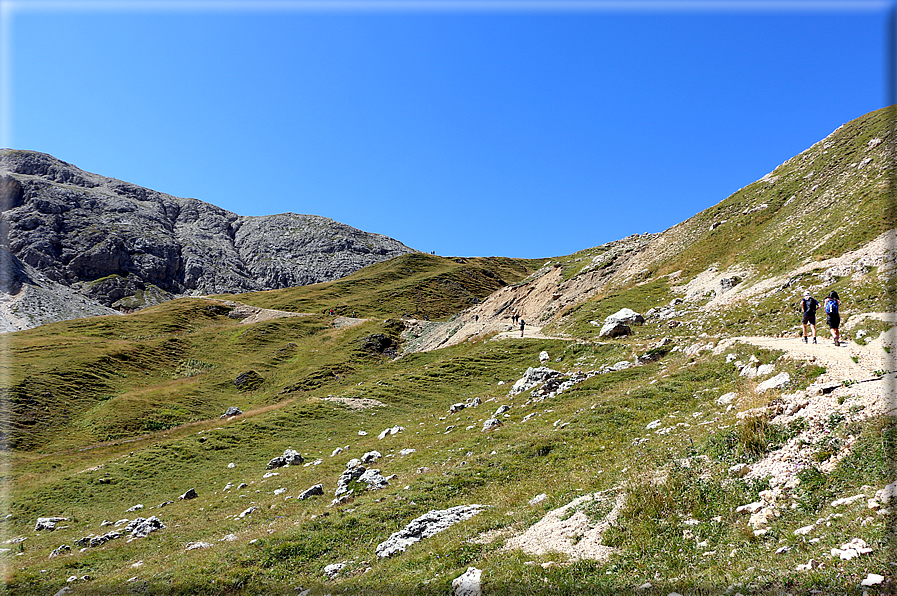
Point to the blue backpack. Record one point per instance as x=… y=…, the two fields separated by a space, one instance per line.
x=831 y=307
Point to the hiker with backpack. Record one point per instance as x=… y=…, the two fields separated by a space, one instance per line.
x=522 y=325
x=808 y=307
x=832 y=308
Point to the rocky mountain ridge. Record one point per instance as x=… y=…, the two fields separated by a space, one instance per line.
x=125 y=246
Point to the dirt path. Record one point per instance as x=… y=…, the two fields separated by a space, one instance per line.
x=529 y=332
x=850 y=361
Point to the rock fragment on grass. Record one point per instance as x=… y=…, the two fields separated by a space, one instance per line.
x=190 y=494
x=62 y=548
x=426 y=525
x=289 y=458
x=333 y=570
x=468 y=583
x=317 y=489
x=48 y=523
x=391 y=431
x=872 y=579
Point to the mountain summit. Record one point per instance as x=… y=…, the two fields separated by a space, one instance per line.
x=125 y=246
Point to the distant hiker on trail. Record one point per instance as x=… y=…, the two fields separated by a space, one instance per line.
x=522 y=325
x=476 y=318
x=832 y=307
x=808 y=306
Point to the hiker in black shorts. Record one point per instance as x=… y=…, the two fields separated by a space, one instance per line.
x=832 y=308
x=808 y=306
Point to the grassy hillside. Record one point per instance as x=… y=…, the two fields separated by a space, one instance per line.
x=103 y=414
x=833 y=197
x=417 y=285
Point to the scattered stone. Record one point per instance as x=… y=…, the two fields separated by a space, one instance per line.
x=872 y=579
x=765 y=369
x=538 y=499
x=269 y=475
x=48 y=523
x=164 y=504
x=289 y=457
x=468 y=583
x=247 y=511
x=229 y=538
x=614 y=330
x=809 y=565
x=190 y=494
x=197 y=545
x=726 y=398
x=317 y=489
x=408 y=451
x=776 y=382
x=353 y=470
x=851 y=550
x=232 y=411
x=391 y=431
x=804 y=530
x=626 y=316
x=137 y=507
x=370 y=457
x=847 y=500
x=362 y=433
x=336 y=452
x=531 y=378
x=426 y=525
x=242 y=485
x=622 y=365
x=333 y=570
x=62 y=548
x=373 y=479
x=544 y=357
x=231 y=466
x=885 y=495
x=279 y=491
x=140 y=527
x=491 y=424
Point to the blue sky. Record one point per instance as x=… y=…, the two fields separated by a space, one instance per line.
x=514 y=129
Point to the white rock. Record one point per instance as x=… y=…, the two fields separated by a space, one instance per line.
x=333 y=570
x=543 y=357
x=847 y=500
x=726 y=398
x=137 y=507
x=653 y=425
x=336 y=452
x=196 y=545
x=248 y=511
x=362 y=433
x=804 y=530
x=765 y=369
x=776 y=382
x=739 y=470
x=873 y=579
x=467 y=584
x=391 y=431
x=538 y=499
x=409 y=451
x=231 y=465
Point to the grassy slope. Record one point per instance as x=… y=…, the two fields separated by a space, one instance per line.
x=417 y=284
x=820 y=203
x=122 y=377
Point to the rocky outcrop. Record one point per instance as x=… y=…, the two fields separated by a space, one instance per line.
x=428 y=524
x=127 y=246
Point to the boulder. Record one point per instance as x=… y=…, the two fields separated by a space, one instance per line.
x=62 y=548
x=232 y=411
x=190 y=494
x=373 y=479
x=370 y=457
x=353 y=470
x=615 y=329
x=289 y=458
x=317 y=489
x=627 y=316
x=468 y=583
x=391 y=431
x=428 y=524
x=48 y=523
x=491 y=424
x=776 y=382
x=543 y=357
x=140 y=527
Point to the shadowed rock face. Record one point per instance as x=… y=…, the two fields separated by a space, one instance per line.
x=76 y=228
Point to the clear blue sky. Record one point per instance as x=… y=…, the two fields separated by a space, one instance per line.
x=514 y=129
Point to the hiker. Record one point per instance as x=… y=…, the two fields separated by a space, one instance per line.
x=476 y=318
x=522 y=325
x=808 y=306
x=832 y=307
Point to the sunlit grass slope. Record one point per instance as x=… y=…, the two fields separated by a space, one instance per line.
x=418 y=285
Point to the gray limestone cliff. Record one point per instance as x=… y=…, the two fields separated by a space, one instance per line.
x=126 y=246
